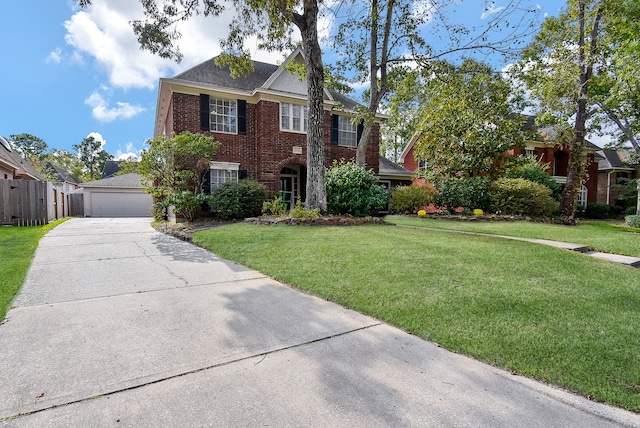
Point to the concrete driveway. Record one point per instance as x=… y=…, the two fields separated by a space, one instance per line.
x=119 y=325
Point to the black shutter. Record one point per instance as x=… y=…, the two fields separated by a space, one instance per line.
x=334 y=129
x=206 y=181
x=359 y=130
x=243 y=174
x=242 y=117
x=205 y=124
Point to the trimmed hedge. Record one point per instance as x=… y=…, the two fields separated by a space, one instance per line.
x=409 y=199
x=471 y=193
x=633 y=220
x=353 y=190
x=238 y=200
x=522 y=197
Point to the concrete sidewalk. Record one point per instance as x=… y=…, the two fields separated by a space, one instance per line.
x=119 y=325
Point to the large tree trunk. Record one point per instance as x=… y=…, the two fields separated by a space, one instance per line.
x=307 y=23
x=378 y=87
x=576 y=146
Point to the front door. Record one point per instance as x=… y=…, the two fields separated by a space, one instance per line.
x=290 y=185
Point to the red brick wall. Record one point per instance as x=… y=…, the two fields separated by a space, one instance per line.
x=264 y=150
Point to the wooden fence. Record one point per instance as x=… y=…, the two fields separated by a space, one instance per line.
x=23 y=202
x=76 y=205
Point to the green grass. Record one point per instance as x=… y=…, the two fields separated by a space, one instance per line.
x=17 y=246
x=599 y=235
x=548 y=314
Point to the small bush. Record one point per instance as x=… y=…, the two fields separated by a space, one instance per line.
x=535 y=171
x=633 y=220
x=186 y=203
x=472 y=192
x=522 y=197
x=598 y=211
x=274 y=207
x=353 y=190
x=299 y=211
x=409 y=199
x=238 y=200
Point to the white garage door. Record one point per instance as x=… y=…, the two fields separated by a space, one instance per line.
x=113 y=204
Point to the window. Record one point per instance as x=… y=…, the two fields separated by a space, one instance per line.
x=422 y=165
x=223 y=172
x=223 y=115
x=347 y=132
x=582 y=196
x=294 y=117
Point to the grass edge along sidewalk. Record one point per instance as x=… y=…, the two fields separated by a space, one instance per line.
x=17 y=247
x=538 y=311
x=598 y=235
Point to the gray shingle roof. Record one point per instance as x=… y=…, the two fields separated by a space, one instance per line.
x=111 y=168
x=131 y=180
x=208 y=73
x=59 y=174
x=388 y=167
x=612 y=160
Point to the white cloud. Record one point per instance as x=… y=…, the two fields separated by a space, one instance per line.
x=103 y=32
x=55 y=56
x=128 y=153
x=490 y=10
x=98 y=137
x=102 y=112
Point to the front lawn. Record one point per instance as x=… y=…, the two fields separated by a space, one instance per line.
x=554 y=315
x=599 y=235
x=17 y=246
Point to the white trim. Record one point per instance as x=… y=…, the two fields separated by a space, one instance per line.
x=229 y=166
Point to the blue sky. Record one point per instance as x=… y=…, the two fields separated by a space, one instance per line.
x=69 y=73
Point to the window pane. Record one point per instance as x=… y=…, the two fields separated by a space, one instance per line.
x=223 y=115
x=346 y=132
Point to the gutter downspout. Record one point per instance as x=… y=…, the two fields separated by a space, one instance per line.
x=609 y=186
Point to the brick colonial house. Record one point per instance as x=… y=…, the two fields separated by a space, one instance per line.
x=613 y=167
x=546 y=151
x=260 y=121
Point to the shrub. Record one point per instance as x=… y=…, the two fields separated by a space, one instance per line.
x=522 y=197
x=535 y=171
x=299 y=211
x=598 y=211
x=186 y=203
x=472 y=192
x=352 y=189
x=409 y=199
x=274 y=207
x=633 y=220
x=238 y=200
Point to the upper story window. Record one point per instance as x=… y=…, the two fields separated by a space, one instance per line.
x=422 y=165
x=347 y=132
x=223 y=115
x=294 y=117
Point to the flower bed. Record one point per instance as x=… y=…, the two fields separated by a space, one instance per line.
x=316 y=221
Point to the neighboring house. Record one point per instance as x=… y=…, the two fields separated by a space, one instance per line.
x=261 y=123
x=15 y=167
x=63 y=183
x=612 y=169
x=546 y=151
x=111 y=168
x=117 y=196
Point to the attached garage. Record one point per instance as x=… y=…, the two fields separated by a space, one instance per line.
x=118 y=196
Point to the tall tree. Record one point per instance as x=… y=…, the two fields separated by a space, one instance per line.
x=380 y=35
x=558 y=67
x=29 y=146
x=468 y=121
x=272 y=21
x=92 y=156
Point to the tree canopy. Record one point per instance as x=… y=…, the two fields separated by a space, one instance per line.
x=467 y=120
